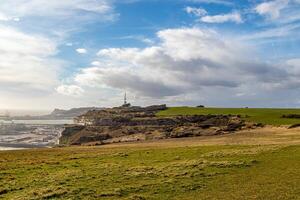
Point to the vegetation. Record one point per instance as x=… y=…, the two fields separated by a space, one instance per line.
x=162 y=171
x=254 y=164
x=270 y=116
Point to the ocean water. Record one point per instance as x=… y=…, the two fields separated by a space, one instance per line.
x=9 y=148
x=41 y=133
x=38 y=122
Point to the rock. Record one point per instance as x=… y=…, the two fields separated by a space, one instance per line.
x=69 y=132
x=294 y=126
x=91 y=138
x=291 y=116
x=156 y=108
x=200 y=106
x=234 y=126
x=127 y=124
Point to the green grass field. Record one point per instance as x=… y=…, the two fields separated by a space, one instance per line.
x=253 y=164
x=270 y=116
x=199 y=172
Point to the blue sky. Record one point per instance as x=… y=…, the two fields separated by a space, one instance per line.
x=76 y=53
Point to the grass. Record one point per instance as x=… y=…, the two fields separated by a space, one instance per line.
x=269 y=116
x=254 y=164
x=145 y=172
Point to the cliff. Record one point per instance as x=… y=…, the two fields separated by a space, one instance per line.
x=124 y=124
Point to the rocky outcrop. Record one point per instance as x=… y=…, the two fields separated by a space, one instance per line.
x=118 y=116
x=291 y=116
x=137 y=123
x=69 y=133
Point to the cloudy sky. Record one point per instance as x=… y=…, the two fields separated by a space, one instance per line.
x=74 y=53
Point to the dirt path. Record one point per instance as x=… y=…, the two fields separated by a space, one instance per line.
x=261 y=136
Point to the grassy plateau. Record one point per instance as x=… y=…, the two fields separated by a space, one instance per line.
x=271 y=116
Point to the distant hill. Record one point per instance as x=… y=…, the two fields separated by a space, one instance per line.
x=74 y=112
x=60 y=114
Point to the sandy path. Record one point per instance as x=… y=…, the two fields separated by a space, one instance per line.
x=261 y=136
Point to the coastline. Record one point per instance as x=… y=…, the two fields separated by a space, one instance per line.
x=10 y=148
x=21 y=146
x=30 y=134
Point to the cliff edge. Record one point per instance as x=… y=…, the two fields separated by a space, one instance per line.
x=128 y=124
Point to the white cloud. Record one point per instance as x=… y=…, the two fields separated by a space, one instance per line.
x=271 y=9
x=196 y=11
x=231 y=17
x=187 y=60
x=70 y=90
x=29 y=71
x=293 y=66
x=147 y=41
x=81 y=51
x=189 y=65
x=221 y=18
x=180 y=64
x=223 y=2
x=53 y=8
x=284 y=31
x=96 y=63
x=25 y=61
x=278 y=12
x=137 y=37
x=119 y=53
x=3 y=17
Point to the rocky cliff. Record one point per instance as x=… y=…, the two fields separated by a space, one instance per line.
x=124 y=124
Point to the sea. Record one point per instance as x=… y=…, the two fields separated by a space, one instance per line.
x=23 y=134
x=38 y=122
x=10 y=148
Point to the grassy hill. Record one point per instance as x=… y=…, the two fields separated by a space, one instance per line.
x=270 y=116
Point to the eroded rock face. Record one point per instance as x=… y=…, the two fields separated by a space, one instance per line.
x=136 y=123
x=291 y=116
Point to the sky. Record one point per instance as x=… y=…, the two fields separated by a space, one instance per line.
x=77 y=53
